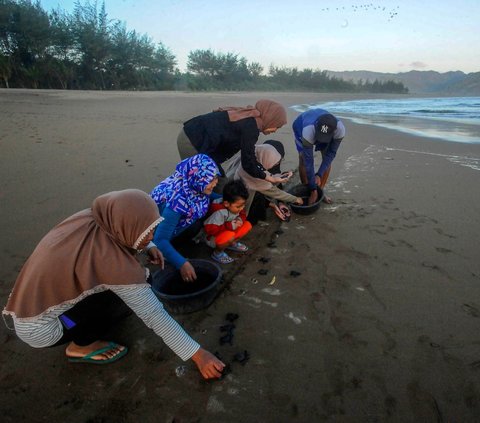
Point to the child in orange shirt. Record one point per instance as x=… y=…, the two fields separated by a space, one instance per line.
x=227 y=222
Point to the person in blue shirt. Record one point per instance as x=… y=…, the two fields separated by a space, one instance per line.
x=182 y=199
x=315 y=130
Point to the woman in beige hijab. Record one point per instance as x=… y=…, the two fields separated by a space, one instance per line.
x=269 y=155
x=75 y=285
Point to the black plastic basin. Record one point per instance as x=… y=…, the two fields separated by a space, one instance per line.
x=181 y=297
x=303 y=192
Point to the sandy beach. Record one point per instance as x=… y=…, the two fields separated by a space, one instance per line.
x=381 y=325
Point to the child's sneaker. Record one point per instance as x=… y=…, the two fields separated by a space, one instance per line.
x=238 y=247
x=222 y=257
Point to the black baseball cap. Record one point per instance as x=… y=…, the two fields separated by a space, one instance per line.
x=324 y=128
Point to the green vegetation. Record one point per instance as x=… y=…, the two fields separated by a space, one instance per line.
x=86 y=50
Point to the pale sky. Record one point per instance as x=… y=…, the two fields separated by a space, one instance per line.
x=383 y=36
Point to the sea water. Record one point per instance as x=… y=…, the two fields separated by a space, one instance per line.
x=455 y=119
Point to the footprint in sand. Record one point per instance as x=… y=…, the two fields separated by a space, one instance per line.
x=441 y=232
x=471 y=310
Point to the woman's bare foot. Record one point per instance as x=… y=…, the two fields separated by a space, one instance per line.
x=77 y=351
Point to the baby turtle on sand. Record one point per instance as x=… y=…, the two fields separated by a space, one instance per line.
x=227 y=328
x=227 y=339
x=231 y=317
x=226 y=370
x=242 y=357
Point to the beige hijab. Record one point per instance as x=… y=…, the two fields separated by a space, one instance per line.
x=267 y=113
x=268 y=156
x=85 y=253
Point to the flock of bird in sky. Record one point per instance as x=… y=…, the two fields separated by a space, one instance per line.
x=392 y=13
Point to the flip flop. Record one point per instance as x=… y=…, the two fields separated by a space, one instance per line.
x=88 y=358
x=238 y=247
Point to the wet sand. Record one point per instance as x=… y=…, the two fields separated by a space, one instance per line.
x=380 y=325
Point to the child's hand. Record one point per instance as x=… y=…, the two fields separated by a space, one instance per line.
x=210 y=366
x=299 y=201
x=156 y=257
x=288 y=174
x=238 y=222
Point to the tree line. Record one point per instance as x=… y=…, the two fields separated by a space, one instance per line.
x=85 y=49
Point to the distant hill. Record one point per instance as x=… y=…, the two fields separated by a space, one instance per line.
x=431 y=82
x=469 y=85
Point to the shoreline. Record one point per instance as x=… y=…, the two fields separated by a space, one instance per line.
x=435 y=129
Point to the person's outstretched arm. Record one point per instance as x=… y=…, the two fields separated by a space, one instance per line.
x=328 y=156
x=146 y=305
x=307 y=153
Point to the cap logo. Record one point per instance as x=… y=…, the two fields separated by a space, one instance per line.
x=324 y=129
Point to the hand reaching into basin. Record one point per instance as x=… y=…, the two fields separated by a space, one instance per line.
x=188 y=272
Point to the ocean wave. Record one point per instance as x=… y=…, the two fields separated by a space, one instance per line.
x=446 y=111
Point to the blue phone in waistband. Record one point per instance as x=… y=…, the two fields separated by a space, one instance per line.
x=67 y=322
